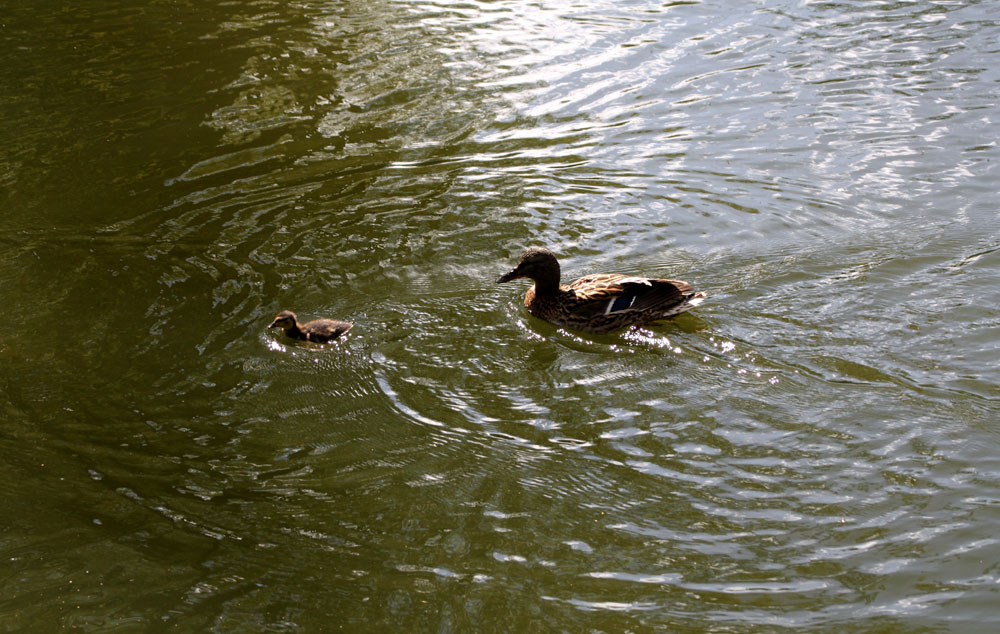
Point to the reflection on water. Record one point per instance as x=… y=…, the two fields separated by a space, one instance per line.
x=812 y=446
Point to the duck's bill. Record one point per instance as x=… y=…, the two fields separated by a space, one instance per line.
x=506 y=277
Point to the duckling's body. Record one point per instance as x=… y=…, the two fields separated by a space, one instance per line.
x=598 y=303
x=318 y=330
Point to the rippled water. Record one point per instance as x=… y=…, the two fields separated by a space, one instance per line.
x=813 y=448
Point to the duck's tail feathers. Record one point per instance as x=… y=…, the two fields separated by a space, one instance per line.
x=695 y=299
x=689 y=302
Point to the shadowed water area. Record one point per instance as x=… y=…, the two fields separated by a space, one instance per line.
x=815 y=448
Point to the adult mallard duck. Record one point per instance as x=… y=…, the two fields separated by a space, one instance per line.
x=318 y=330
x=598 y=303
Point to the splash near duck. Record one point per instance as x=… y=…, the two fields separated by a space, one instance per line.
x=600 y=303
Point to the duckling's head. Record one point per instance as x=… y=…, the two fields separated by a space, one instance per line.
x=285 y=319
x=538 y=264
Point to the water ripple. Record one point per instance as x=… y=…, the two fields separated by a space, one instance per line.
x=813 y=446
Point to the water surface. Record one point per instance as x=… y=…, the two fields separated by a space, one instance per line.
x=814 y=448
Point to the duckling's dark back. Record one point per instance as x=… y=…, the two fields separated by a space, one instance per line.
x=324 y=330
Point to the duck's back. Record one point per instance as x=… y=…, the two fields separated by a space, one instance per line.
x=606 y=302
x=612 y=292
x=323 y=330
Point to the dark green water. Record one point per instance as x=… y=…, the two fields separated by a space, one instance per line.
x=813 y=449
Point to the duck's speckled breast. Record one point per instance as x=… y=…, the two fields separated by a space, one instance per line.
x=550 y=308
x=529 y=298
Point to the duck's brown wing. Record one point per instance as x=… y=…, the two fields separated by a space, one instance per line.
x=660 y=293
x=593 y=293
x=611 y=292
x=323 y=330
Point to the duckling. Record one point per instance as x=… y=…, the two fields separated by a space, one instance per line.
x=318 y=330
x=599 y=303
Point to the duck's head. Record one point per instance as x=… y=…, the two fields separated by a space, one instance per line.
x=538 y=264
x=285 y=319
